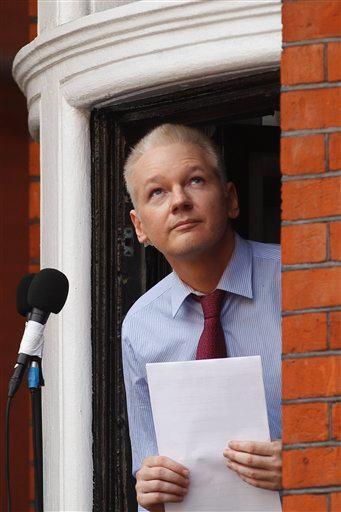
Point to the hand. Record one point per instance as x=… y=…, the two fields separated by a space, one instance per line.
x=160 y=480
x=257 y=463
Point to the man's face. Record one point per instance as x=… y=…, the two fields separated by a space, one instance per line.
x=175 y=184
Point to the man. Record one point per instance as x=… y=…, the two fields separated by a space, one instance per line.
x=183 y=205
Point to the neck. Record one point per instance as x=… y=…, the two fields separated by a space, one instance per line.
x=204 y=272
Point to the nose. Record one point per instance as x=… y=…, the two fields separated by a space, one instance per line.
x=180 y=200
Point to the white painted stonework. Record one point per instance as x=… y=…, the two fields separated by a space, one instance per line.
x=88 y=52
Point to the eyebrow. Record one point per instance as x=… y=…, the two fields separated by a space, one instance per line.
x=159 y=177
x=154 y=179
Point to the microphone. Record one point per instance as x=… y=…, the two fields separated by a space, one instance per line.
x=47 y=294
x=23 y=306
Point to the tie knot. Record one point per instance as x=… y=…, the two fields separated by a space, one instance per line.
x=211 y=304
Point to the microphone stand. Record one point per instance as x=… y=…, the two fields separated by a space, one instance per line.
x=35 y=381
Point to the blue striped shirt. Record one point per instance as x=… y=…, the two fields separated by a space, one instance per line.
x=165 y=324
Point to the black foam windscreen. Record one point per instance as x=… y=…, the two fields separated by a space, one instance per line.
x=48 y=290
x=23 y=306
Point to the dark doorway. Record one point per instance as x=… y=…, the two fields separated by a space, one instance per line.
x=236 y=114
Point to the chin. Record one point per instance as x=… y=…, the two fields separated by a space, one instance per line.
x=189 y=248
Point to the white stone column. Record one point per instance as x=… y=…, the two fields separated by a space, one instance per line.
x=66 y=245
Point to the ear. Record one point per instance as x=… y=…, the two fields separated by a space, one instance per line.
x=135 y=219
x=232 y=200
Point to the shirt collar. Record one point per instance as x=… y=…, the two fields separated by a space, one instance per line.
x=237 y=276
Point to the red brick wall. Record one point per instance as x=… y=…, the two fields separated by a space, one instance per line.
x=19 y=207
x=14 y=33
x=311 y=208
x=34 y=207
x=34 y=224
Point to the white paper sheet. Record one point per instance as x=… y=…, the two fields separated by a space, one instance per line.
x=198 y=406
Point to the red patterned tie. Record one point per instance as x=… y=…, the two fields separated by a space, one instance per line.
x=212 y=341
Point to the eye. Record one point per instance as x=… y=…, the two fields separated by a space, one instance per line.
x=155 y=192
x=197 y=179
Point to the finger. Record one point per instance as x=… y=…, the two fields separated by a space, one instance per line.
x=160 y=486
x=247 y=459
x=166 y=475
x=252 y=473
x=266 y=448
x=263 y=484
x=153 y=498
x=166 y=462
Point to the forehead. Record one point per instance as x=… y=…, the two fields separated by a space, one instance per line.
x=165 y=159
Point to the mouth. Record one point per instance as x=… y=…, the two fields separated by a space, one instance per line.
x=186 y=224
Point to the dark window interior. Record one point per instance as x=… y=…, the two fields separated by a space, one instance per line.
x=240 y=116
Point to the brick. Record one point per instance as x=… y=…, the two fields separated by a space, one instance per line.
x=311 y=467
x=311 y=288
x=302 y=64
x=335 y=502
x=334 y=61
x=33 y=8
x=34 y=200
x=310 y=20
x=311 y=377
x=305 y=243
x=335 y=151
x=34 y=241
x=335 y=329
x=310 y=109
x=302 y=155
x=305 y=502
x=311 y=198
x=304 y=333
x=304 y=423
x=32 y=31
x=335 y=241
x=34 y=268
x=336 y=421
x=33 y=158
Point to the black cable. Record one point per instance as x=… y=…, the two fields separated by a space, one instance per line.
x=7 y=465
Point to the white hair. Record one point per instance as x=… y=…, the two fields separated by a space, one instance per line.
x=169 y=134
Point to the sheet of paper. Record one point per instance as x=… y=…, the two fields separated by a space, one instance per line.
x=198 y=406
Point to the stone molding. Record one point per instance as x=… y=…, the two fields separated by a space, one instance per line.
x=137 y=46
